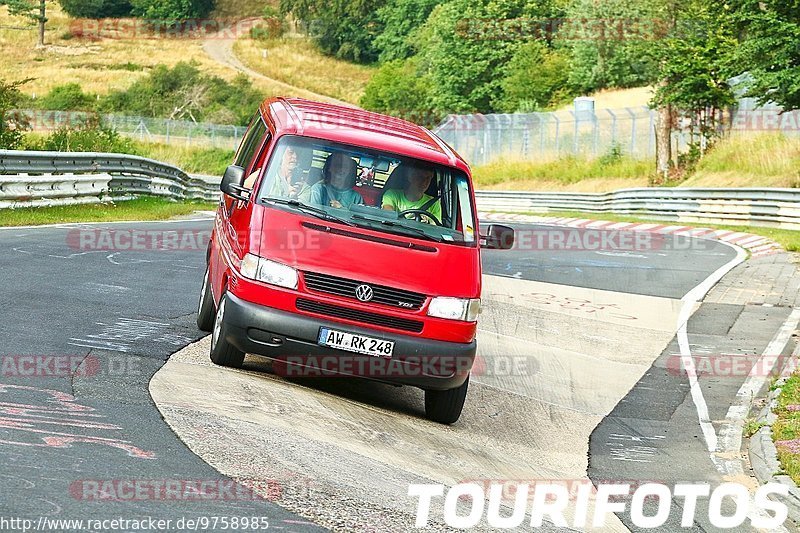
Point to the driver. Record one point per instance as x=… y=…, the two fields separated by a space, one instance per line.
x=415 y=181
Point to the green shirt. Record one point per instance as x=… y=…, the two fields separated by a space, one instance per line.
x=398 y=201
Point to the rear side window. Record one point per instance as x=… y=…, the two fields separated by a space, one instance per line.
x=250 y=142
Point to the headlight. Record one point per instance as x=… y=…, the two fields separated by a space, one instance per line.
x=260 y=269
x=455 y=308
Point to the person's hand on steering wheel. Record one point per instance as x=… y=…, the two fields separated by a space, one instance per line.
x=419 y=214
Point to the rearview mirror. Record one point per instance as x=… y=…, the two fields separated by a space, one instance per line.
x=498 y=237
x=232 y=183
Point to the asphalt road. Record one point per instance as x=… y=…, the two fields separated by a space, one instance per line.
x=121 y=313
x=667 y=266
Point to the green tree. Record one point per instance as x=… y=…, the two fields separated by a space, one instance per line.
x=343 y=28
x=399 y=89
x=400 y=20
x=611 y=43
x=536 y=77
x=36 y=10
x=770 y=49
x=466 y=44
x=694 y=64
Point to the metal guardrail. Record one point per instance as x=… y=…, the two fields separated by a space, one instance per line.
x=758 y=207
x=49 y=178
x=31 y=178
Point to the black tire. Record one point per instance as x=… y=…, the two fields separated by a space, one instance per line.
x=205 y=308
x=224 y=353
x=445 y=406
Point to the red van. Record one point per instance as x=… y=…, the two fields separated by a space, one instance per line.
x=347 y=242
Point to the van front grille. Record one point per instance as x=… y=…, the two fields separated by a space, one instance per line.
x=347 y=288
x=336 y=311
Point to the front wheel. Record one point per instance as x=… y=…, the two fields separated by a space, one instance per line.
x=205 y=309
x=224 y=353
x=445 y=406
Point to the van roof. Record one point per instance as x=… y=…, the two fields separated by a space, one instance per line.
x=358 y=127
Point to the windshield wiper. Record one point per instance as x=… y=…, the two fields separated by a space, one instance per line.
x=310 y=209
x=393 y=224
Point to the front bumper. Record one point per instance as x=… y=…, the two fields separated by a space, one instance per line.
x=292 y=338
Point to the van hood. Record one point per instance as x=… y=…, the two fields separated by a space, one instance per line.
x=312 y=244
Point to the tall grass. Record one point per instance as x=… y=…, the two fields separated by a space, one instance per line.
x=755 y=160
x=296 y=61
x=191 y=159
x=564 y=171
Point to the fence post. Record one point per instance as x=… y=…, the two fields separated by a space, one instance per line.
x=633 y=131
x=651 y=133
x=558 y=137
x=574 y=132
x=541 y=133
x=613 y=127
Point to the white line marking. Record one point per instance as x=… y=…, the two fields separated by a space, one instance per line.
x=689 y=301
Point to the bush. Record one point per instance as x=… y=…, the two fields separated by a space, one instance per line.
x=67 y=97
x=12 y=125
x=89 y=138
x=172 y=10
x=185 y=93
x=96 y=9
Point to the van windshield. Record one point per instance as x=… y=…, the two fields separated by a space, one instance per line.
x=375 y=190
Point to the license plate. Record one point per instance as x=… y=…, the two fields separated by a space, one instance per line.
x=355 y=343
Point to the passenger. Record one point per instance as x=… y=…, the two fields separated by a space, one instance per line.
x=303 y=175
x=415 y=180
x=282 y=185
x=338 y=180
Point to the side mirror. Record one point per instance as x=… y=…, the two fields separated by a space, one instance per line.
x=498 y=237
x=232 y=183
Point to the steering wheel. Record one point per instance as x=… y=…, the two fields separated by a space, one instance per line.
x=418 y=214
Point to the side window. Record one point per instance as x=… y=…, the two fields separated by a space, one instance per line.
x=248 y=153
x=250 y=142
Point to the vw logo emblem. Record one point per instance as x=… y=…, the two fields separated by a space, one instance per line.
x=364 y=293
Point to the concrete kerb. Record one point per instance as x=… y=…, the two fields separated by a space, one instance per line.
x=761 y=450
x=756 y=245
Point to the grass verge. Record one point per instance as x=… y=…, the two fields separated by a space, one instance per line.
x=190 y=159
x=789 y=239
x=614 y=172
x=144 y=208
x=786 y=429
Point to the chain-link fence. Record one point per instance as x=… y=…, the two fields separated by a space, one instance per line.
x=481 y=139
x=142 y=128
